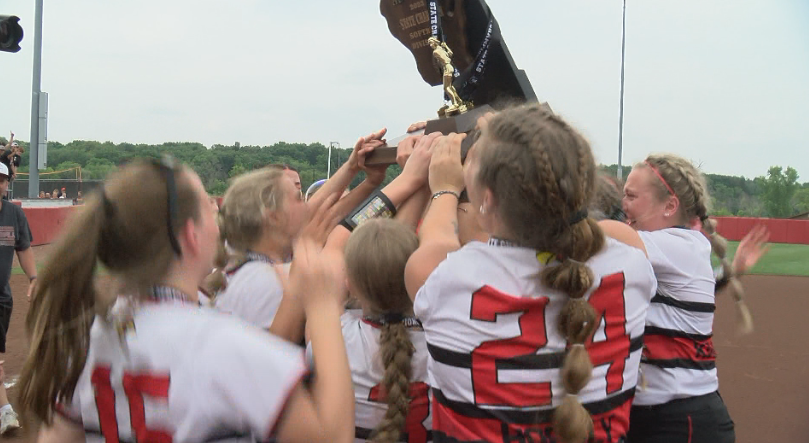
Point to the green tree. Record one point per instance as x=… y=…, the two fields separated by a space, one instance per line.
x=800 y=201
x=779 y=188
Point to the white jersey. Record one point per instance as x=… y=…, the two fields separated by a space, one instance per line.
x=496 y=352
x=253 y=292
x=183 y=374
x=362 y=344
x=679 y=359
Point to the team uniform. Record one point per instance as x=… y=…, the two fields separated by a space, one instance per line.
x=679 y=360
x=361 y=337
x=184 y=374
x=253 y=290
x=496 y=353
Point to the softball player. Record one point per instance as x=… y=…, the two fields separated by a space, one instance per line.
x=158 y=368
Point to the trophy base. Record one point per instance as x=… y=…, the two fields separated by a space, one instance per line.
x=461 y=122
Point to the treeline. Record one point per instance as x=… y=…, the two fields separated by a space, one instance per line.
x=778 y=194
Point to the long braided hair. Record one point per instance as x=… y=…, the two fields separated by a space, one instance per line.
x=542 y=174
x=376 y=255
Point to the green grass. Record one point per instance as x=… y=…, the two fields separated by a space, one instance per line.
x=782 y=259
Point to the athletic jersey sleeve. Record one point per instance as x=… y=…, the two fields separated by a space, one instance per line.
x=253 y=293
x=425 y=297
x=248 y=378
x=676 y=252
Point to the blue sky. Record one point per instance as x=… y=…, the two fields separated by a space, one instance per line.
x=724 y=83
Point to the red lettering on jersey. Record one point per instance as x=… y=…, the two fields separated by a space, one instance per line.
x=105 y=403
x=418 y=412
x=135 y=386
x=608 y=301
x=487 y=304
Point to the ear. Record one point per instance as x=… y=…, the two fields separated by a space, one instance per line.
x=188 y=239
x=672 y=205
x=489 y=201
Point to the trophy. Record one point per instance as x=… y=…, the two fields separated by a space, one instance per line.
x=456 y=44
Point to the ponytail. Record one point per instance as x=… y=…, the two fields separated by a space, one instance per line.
x=61 y=314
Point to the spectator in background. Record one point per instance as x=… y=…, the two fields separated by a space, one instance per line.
x=47 y=195
x=41 y=194
x=63 y=193
x=14 y=236
x=12 y=156
x=55 y=194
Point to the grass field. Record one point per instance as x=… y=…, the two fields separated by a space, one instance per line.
x=782 y=259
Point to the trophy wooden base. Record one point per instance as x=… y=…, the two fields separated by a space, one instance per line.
x=461 y=123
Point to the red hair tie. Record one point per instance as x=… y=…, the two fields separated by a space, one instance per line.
x=657 y=173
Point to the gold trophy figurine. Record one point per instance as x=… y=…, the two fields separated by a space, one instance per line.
x=442 y=55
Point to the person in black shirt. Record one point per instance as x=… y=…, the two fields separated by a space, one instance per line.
x=15 y=236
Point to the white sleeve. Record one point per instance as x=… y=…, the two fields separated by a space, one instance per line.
x=253 y=294
x=247 y=376
x=425 y=297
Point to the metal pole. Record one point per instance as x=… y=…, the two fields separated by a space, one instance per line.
x=33 y=147
x=621 y=112
x=328 y=167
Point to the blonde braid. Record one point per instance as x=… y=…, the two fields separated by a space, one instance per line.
x=744 y=320
x=396 y=351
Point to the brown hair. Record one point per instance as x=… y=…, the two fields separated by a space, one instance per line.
x=376 y=254
x=242 y=219
x=607 y=203
x=123 y=227
x=542 y=174
x=691 y=189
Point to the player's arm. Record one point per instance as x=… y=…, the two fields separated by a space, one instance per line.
x=61 y=431
x=342 y=178
x=438 y=235
x=623 y=233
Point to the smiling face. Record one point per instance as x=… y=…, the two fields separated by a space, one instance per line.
x=645 y=208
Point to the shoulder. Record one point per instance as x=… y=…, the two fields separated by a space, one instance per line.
x=674 y=238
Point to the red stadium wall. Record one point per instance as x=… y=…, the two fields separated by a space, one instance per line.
x=47 y=223
x=781 y=230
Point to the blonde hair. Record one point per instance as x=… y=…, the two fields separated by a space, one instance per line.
x=376 y=254
x=112 y=229
x=242 y=217
x=542 y=174
x=691 y=189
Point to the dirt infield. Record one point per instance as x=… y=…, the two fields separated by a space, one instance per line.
x=764 y=378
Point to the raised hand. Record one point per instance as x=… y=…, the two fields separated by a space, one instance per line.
x=418 y=164
x=446 y=170
x=752 y=247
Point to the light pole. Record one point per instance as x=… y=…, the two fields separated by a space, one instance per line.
x=621 y=111
x=328 y=170
x=33 y=147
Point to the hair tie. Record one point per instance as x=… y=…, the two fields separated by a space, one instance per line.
x=392 y=318
x=704 y=218
x=574 y=345
x=574 y=261
x=577 y=217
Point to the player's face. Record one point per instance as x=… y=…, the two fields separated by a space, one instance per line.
x=296 y=212
x=206 y=228
x=644 y=211
x=296 y=178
